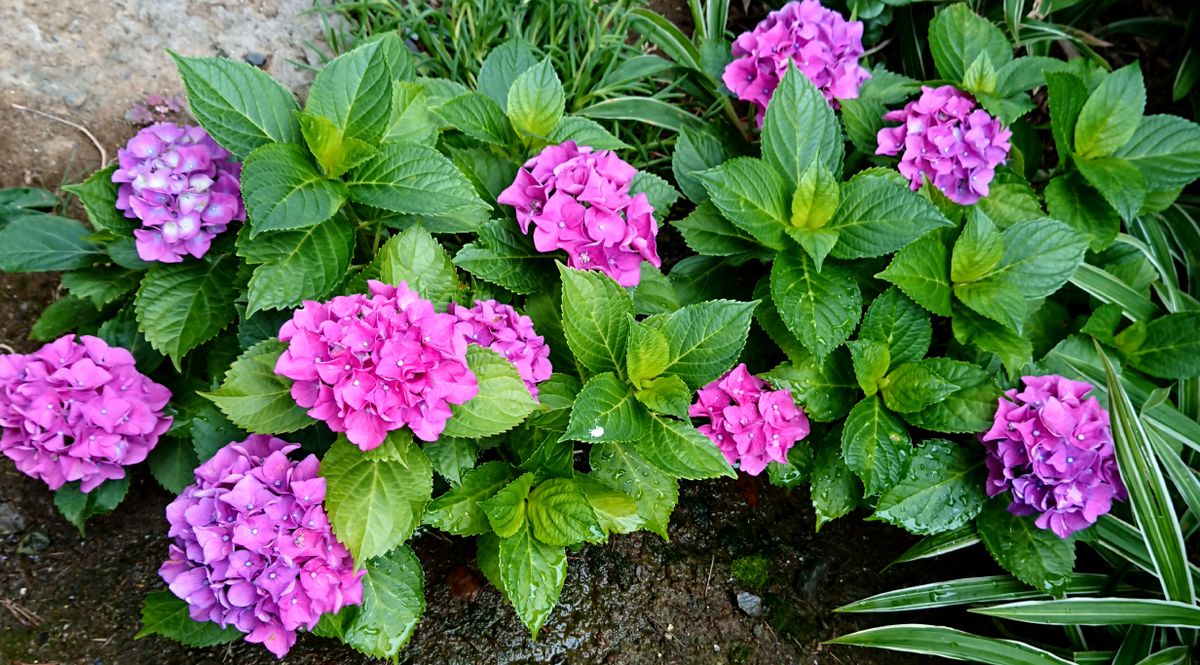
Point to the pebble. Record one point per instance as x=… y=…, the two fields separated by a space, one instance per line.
x=749 y=603
x=10 y=520
x=34 y=542
x=255 y=58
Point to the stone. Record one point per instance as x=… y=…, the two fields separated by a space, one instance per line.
x=749 y=603
x=10 y=520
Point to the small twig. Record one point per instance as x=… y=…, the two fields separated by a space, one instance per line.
x=878 y=47
x=6 y=348
x=23 y=615
x=99 y=148
x=710 y=569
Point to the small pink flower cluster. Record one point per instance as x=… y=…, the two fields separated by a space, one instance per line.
x=183 y=188
x=253 y=547
x=825 y=46
x=748 y=422
x=368 y=365
x=945 y=138
x=500 y=328
x=1053 y=449
x=78 y=411
x=579 y=201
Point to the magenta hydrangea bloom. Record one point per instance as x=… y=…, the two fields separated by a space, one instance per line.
x=182 y=187
x=500 y=328
x=369 y=365
x=822 y=44
x=579 y=201
x=1053 y=449
x=945 y=138
x=748 y=422
x=78 y=410
x=253 y=547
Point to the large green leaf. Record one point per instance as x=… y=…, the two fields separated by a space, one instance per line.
x=506 y=509
x=284 y=190
x=835 y=489
x=706 y=231
x=912 y=387
x=354 y=90
x=899 y=323
x=502 y=256
x=922 y=271
x=98 y=194
x=606 y=410
x=533 y=574
x=696 y=152
x=596 y=311
x=182 y=305
x=681 y=451
x=616 y=511
x=172 y=462
x=376 y=501
x=1167 y=347
x=165 y=614
x=800 y=127
x=754 y=196
x=950 y=643
x=968 y=409
x=826 y=390
x=334 y=152
x=502 y=66
x=1035 y=556
x=584 y=132
x=77 y=506
x=1166 y=150
x=1040 y=256
x=871 y=359
x=1111 y=114
x=1071 y=200
x=393 y=602
x=294 y=266
x=536 y=100
x=941 y=491
x=559 y=514
x=619 y=465
x=878 y=216
x=101 y=285
x=458 y=511
x=820 y=308
x=451 y=457
x=416 y=258
x=257 y=399
x=239 y=105
x=957 y=36
x=502 y=403
x=875 y=445
x=35 y=242
x=1119 y=182
x=706 y=339
x=413 y=179
x=477 y=116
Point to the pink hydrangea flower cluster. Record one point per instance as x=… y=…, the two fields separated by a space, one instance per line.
x=78 y=410
x=500 y=328
x=1053 y=449
x=822 y=44
x=253 y=547
x=579 y=201
x=369 y=365
x=183 y=188
x=945 y=138
x=748 y=422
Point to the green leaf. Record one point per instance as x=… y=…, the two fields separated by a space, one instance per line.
x=978 y=249
x=560 y=514
x=584 y=132
x=415 y=180
x=501 y=68
x=820 y=308
x=502 y=256
x=182 y=305
x=101 y=285
x=706 y=338
x=815 y=199
x=606 y=410
x=1111 y=114
x=1066 y=94
x=826 y=390
x=506 y=509
x=1010 y=203
x=165 y=614
x=616 y=511
x=98 y=194
x=536 y=100
x=257 y=399
x=294 y=266
x=659 y=193
x=709 y=233
x=1165 y=149
x=1035 y=556
x=875 y=445
x=878 y=216
x=37 y=242
x=416 y=258
x=375 y=502
x=981 y=78
x=667 y=395
x=800 y=128
x=871 y=360
x=619 y=465
x=957 y=36
x=1119 y=182
x=655 y=293
x=968 y=409
x=999 y=299
x=451 y=457
x=1168 y=348
x=922 y=271
x=968 y=591
x=1099 y=612
x=239 y=105
x=1014 y=349
x=63 y=316
x=835 y=489
x=503 y=401
x=533 y=574
x=459 y=511
x=681 y=451
x=817 y=242
x=1071 y=200
x=172 y=462
x=210 y=431
x=77 y=506
x=477 y=116
x=284 y=190
x=941 y=491
x=335 y=153
x=355 y=91
x=950 y=643
x=595 y=318
x=754 y=196
x=696 y=152
x=648 y=353
x=393 y=602
x=900 y=324
x=1040 y=255
x=412 y=121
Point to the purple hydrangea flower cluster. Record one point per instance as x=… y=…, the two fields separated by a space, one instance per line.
x=748 y=422
x=1053 y=449
x=500 y=328
x=579 y=200
x=253 y=547
x=822 y=44
x=78 y=410
x=945 y=138
x=368 y=365
x=183 y=188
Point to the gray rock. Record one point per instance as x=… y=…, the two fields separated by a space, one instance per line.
x=749 y=603
x=255 y=58
x=10 y=520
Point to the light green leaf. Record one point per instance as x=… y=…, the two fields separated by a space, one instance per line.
x=459 y=511
x=35 y=242
x=98 y=194
x=503 y=401
x=1111 y=114
x=648 y=353
x=659 y=193
x=1167 y=347
x=584 y=132
x=595 y=318
x=899 y=323
x=416 y=258
x=413 y=179
x=501 y=67
x=999 y=299
x=706 y=338
x=1165 y=149
x=533 y=574
x=165 y=614
x=451 y=457
x=754 y=196
x=815 y=198
x=941 y=491
x=922 y=271
x=871 y=360
x=875 y=445
x=978 y=249
x=294 y=266
x=820 y=308
x=412 y=121
x=800 y=129
x=335 y=153
x=1118 y=181
x=257 y=399
x=284 y=190
x=878 y=216
x=1040 y=255
x=1035 y=556
x=681 y=451
x=506 y=509
x=616 y=511
x=393 y=602
x=619 y=465
x=1071 y=200
x=182 y=305
x=559 y=514
x=709 y=233
x=606 y=410
x=1066 y=94
x=667 y=395
x=957 y=36
x=355 y=91
x=536 y=100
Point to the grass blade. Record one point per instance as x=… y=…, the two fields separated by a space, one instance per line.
x=938 y=544
x=1110 y=289
x=1171 y=656
x=990 y=589
x=950 y=643
x=1099 y=612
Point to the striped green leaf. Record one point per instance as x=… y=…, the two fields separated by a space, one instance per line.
x=1099 y=612
x=939 y=544
x=950 y=643
x=989 y=589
